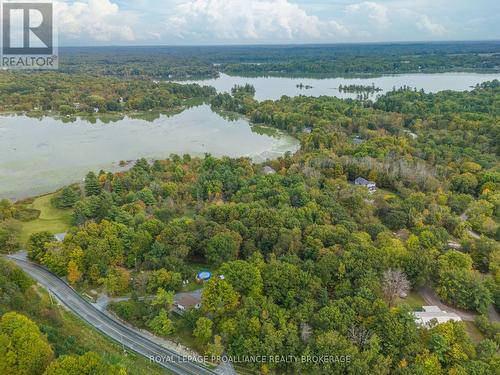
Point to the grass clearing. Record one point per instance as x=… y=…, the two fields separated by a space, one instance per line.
x=414 y=300
x=196 y=267
x=51 y=219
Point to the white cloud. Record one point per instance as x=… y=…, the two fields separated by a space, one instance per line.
x=94 y=20
x=271 y=21
x=249 y=20
x=339 y=28
x=426 y=24
x=378 y=13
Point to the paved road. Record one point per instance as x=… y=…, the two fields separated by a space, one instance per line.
x=128 y=337
x=431 y=298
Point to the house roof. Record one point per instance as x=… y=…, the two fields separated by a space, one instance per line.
x=434 y=312
x=431 y=315
x=187 y=300
x=360 y=180
x=431 y=309
x=363 y=181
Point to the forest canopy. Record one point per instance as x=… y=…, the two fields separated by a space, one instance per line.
x=307 y=256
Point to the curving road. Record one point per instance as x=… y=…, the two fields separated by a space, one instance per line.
x=128 y=337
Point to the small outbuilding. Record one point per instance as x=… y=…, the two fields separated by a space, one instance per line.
x=434 y=313
x=370 y=185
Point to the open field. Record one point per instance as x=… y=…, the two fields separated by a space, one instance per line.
x=415 y=301
x=51 y=219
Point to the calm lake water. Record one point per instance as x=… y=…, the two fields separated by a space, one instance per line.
x=275 y=87
x=39 y=156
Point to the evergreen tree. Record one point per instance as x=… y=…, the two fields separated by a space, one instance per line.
x=92 y=185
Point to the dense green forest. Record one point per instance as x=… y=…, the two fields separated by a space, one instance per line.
x=71 y=94
x=312 y=264
x=302 y=60
x=120 y=79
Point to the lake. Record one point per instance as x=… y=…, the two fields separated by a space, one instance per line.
x=41 y=155
x=275 y=87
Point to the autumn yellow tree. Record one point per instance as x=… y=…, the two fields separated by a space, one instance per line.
x=74 y=273
x=24 y=350
x=88 y=364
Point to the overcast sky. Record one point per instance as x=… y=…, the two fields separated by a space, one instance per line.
x=179 y=22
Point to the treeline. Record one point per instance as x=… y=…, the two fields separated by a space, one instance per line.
x=83 y=94
x=368 y=65
x=359 y=89
x=328 y=60
x=157 y=62
x=356 y=59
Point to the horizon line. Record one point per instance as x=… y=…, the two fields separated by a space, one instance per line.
x=286 y=44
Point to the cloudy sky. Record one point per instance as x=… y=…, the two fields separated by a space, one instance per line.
x=192 y=22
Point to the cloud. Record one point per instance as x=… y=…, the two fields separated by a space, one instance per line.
x=426 y=24
x=131 y=22
x=378 y=13
x=249 y=20
x=94 y=20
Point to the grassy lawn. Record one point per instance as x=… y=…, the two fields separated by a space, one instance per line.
x=191 y=287
x=414 y=300
x=195 y=268
x=51 y=219
x=385 y=194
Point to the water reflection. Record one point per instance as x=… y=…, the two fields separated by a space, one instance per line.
x=41 y=154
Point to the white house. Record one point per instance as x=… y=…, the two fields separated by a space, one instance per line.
x=434 y=313
x=370 y=185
